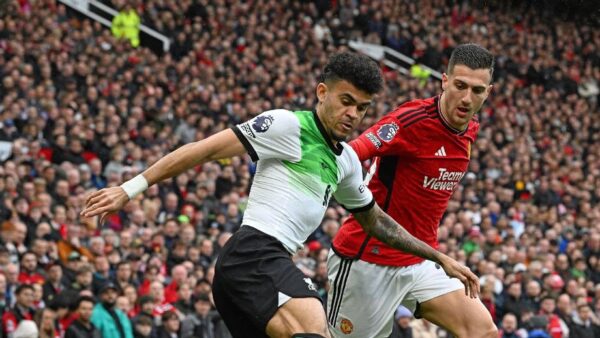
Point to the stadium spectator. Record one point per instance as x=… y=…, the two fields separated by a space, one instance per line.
x=45 y=320
x=509 y=328
x=184 y=303
x=583 y=325
x=161 y=305
x=110 y=321
x=123 y=305
x=29 y=273
x=22 y=310
x=124 y=275
x=126 y=25
x=143 y=328
x=179 y=276
x=402 y=328
x=171 y=325
x=198 y=323
x=82 y=327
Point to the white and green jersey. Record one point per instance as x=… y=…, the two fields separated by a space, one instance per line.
x=298 y=170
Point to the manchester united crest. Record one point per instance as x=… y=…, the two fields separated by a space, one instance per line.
x=346 y=326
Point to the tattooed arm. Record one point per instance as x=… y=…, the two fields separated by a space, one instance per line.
x=380 y=225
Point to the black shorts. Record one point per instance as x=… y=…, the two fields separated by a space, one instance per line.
x=252 y=270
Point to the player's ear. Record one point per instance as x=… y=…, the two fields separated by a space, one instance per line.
x=489 y=90
x=444 y=81
x=322 y=91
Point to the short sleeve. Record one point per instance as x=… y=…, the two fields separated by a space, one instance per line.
x=384 y=138
x=351 y=192
x=272 y=134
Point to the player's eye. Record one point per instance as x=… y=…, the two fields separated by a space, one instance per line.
x=363 y=107
x=478 y=90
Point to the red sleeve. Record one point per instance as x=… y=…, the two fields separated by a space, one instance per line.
x=386 y=137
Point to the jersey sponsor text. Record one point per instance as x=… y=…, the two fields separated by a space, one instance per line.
x=447 y=180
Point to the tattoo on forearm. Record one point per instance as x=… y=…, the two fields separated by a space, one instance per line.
x=381 y=226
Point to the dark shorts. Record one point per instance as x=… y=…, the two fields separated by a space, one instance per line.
x=252 y=270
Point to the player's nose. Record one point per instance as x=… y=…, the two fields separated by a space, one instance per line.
x=352 y=112
x=467 y=99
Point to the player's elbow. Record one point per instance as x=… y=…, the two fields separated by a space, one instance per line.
x=367 y=221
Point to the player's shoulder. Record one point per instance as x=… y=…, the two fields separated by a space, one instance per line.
x=413 y=106
x=348 y=150
x=414 y=111
x=349 y=156
x=279 y=118
x=277 y=113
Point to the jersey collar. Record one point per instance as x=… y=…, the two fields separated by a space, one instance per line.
x=336 y=149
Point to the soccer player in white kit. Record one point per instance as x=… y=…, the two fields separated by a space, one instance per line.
x=302 y=163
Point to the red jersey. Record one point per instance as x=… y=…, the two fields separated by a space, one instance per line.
x=33 y=278
x=171 y=295
x=418 y=161
x=144 y=288
x=12 y=318
x=159 y=309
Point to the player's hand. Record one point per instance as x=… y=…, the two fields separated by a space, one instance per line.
x=464 y=274
x=105 y=202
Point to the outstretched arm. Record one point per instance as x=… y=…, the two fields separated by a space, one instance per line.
x=221 y=145
x=380 y=225
x=224 y=144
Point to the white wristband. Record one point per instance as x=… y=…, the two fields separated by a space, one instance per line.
x=135 y=186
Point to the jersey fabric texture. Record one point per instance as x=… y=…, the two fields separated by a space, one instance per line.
x=298 y=171
x=418 y=161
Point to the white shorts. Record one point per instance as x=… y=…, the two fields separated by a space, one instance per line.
x=363 y=296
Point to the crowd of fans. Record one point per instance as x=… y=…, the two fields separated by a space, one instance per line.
x=80 y=110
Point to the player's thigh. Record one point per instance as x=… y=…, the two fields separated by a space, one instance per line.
x=362 y=297
x=298 y=315
x=429 y=281
x=442 y=300
x=461 y=315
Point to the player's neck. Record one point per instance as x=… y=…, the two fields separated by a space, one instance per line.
x=444 y=113
x=326 y=128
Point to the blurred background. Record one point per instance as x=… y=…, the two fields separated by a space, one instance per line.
x=93 y=92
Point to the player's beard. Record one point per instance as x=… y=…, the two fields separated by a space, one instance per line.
x=109 y=304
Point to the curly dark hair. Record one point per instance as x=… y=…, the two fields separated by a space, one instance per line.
x=82 y=299
x=473 y=56
x=358 y=69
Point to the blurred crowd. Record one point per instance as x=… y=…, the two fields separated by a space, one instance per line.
x=81 y=110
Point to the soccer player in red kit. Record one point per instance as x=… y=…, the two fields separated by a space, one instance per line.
x=420 y=152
